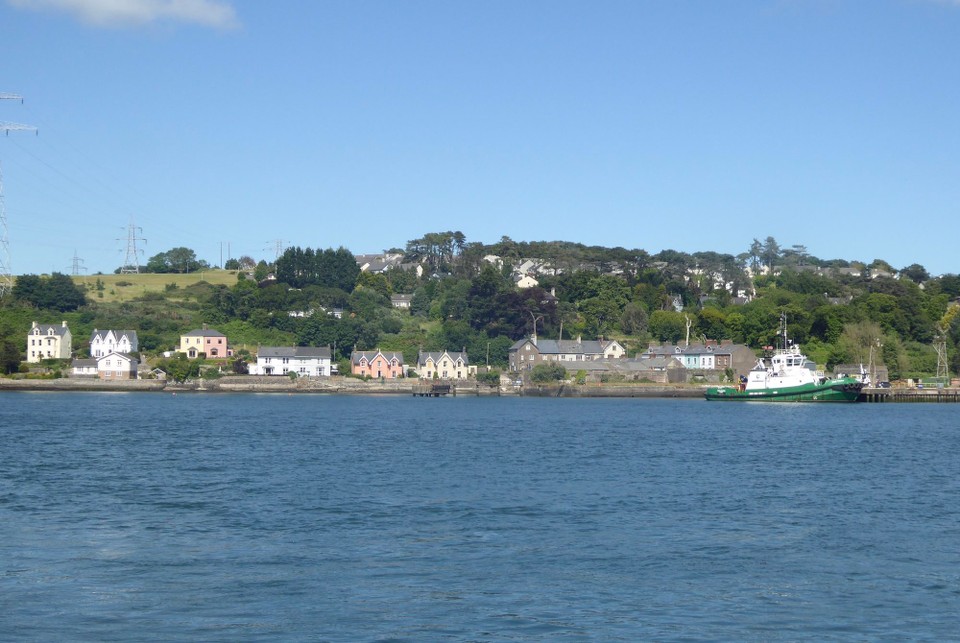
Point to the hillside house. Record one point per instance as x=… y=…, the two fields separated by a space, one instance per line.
x=709 y=356
x=104 y=342
x=527 y=353
x=377 y=364
x=444 y=365
x=48 y=341
x=209 y=342
x=305 y=361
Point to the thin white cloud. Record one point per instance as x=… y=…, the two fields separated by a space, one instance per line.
x=118 y=13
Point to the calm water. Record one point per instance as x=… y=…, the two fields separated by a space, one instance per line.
x=268 y=517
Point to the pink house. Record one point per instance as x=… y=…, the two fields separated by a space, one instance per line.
x=377 y=364
x=210 y=342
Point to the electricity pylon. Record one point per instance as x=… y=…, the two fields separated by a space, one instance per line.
x=131 y=264
x=6 y=276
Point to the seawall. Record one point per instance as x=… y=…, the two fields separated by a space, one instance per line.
x=345 y=386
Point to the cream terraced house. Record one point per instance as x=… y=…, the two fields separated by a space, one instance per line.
x=444 y=365
x=48 y=341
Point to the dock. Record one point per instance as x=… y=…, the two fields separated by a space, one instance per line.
x=908 y=395
x=432 y=390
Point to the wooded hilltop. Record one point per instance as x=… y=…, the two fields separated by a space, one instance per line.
x=484 y=297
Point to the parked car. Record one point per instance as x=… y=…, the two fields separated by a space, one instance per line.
x=883 y=384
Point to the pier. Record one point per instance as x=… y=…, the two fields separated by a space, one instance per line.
x=432 y=390
x=906 y=395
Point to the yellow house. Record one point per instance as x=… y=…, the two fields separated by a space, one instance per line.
x=444 y=365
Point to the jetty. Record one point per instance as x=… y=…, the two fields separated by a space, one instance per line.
x=433 y=390
x=909 y=395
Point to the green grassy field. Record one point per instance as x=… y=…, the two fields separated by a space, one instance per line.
x=127 y=287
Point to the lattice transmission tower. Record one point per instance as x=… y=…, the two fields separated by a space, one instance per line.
x=6 y=274
x=131 y=263
x=77 y=266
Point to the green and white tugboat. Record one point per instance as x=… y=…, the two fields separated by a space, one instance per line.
x=789 y=376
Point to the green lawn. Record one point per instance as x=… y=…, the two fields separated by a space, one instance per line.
x=137 y=285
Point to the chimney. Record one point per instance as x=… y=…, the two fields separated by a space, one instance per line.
x=63 y=324
x=34 y=325
x=579 y=339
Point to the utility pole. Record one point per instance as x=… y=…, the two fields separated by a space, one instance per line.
x=6 y=274
x=131 y=264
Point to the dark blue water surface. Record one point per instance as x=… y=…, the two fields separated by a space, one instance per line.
x=276 y=517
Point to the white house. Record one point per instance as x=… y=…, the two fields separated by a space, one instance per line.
x=84 y=368
x=525 y=281
x=112 y=366
x=48 y=341
x=104 y=342
x=302 y=360
x=117 y=366
x=401 y=301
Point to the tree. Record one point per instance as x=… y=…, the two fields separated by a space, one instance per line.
x=9 y=356
x=771 y=252
x=548 y=372
x=634 y=319
x=178 y=259
x=179 y=368
x=56 y=292
x=915 y=273
x=856 y=341
x=667 y=326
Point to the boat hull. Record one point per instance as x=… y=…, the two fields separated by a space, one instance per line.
x=845 y=390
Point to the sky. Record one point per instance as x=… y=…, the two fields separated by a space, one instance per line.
x=234 y=127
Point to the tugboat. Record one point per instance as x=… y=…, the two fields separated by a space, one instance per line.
x=788 y=377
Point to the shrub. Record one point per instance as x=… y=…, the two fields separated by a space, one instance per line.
x=490 y=378
x=548 y=372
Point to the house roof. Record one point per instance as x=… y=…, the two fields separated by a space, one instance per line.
x=204 y=332
x=83 y=363
x=436 y=356
x=567 y=346
x=124 y=356
x=371 y=355
x=58 y=329
x=302 y=352
x=132 y=334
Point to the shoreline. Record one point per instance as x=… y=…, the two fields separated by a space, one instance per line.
x=347 y=386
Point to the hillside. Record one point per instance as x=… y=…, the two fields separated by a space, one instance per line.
x=132 y=286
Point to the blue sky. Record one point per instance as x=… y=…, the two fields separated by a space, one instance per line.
x=681 y=124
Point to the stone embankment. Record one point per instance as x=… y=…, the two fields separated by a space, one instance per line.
x=80 y=384
x=345 y=386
